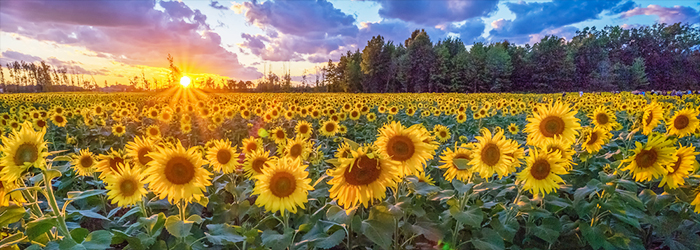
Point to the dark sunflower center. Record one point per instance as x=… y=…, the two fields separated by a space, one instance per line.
x=179 y=170
x=120 y=129
x=400 y=148
x=677 y=164
x=153 y=131
x=344 y=154
x=649 y=119
x=128 y=187
x=551 y=126
x=223 y=156
x=303 y=129
x=681 y=122
x=282 y=184
x=113 y=164
x=142 y=155
x=592 y=140
x=491 y=154
x=258 y=164
x=59 y=119
x=540 y=169
x=602 y=118
x=41 y=123
x=363 y=171
x=295 y=151
x=251 y=146
x=646 y=158
x=26 y=152
x=154 y=113
x=330 y=127
x=280 y=134
x=86 y=161
x=443 y=134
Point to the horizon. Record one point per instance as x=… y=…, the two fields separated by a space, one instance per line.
x=114 y=40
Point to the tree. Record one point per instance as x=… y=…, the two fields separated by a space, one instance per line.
x=175 y=73
x=419 y=62
x=498 y=68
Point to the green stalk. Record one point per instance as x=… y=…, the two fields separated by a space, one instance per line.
x=60 y=217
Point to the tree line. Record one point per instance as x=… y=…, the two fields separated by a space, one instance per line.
x=660 y=57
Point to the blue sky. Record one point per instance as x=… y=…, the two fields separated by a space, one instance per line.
x=114 y=39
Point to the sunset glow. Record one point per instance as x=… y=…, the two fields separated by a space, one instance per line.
x=185 y=81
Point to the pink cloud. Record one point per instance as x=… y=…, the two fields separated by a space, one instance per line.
x=675 y=14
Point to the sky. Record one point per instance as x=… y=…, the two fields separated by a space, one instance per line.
x=112 y=40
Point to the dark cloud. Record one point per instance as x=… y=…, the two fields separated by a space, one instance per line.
x=217 y=5
x=430 y=12
x=533 y=17
x=668 y=15
x=133 y=32
x=11 y=56
x=623 y=7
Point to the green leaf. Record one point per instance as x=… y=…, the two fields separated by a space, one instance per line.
x=276 y=241
x=154 y=223
x=461 y=163
x=378 y=232
x=421 y=188
x=428 y=229
x=89 y=214
x=473 y=216
x=77 y=195
x=263 y=133
x=507 y=231
x=62 y=158
x=12 y=240
x=178 y=227
x=337 y=214
x=594 y=235
x=461 y=187
x=222 y=234
x=353 y=145
x=332 y=240
x=52 y=173
x=99 y=239
x=549 y=229
x=40 y=226
x=489 y=240
x=126 y=215
x=79 y=234
x=195 y=218
x=11 y=214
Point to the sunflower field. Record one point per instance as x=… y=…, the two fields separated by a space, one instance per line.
x=363 y=171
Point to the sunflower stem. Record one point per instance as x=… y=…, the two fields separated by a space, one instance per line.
x=51 y=199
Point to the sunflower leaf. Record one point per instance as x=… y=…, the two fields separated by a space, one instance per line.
x=461 y=164
x=11 y=214
x=353 y=145
x=178 y=227
x=77 y=195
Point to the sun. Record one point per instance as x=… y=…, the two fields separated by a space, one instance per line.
x=185 y=81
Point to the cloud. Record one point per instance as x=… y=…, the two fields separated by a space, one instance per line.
x=11 y=56
x=217 y=5
x=429 y=12
x=534 y=17
x=623 y=7
x=73 y=67
x=670 y=15
x=132 y=32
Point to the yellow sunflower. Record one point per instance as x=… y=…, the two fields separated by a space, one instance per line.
x=283 y=186
x=407 y=148
x=442 y=133
x=177 y=173
x=126 y=186
x=513 y=129
x=118 y=130
x=552 y=123
x=83 y=162
x=303 y=129
x=566 y=152
x=542 y=174
x=298 y=147
x=343 y=151
x=6 y=197
x=153 y=132
x=696 y=202
x=683 y=123
x=251 y=144
x=107 y=164
x=278 y=135
x=681 y=168
x=58 y=120
x=423 y=177
x=595 y=138
x=21 y=150
x=490 y=154
x=604 y=118
x=653 y=113
x=256 y=161
x=362 y=178
x=329 y=128
x=455 y=163
x=138 y=150
x=650 y=159
x=222 y=157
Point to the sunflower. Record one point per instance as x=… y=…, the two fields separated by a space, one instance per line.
x=153 y=132
x=283 y=186
x=424 y=177
x=542 y=174
x=329 y=128
x=251 y=144
x=118 y=130
x=278 y=135
x=362 y=178
x=222 y=157
x=696 y=202
x=303 y=129
x=83 y=162
x=21 y=150
x=513 y=129
x=683 y=123
x=58 y=120
x=565 y=152
x=490 y=154
x=650 y=159
x=552 y=123
x=407 y=148
x=653 y=113
x=442 y=133
x=604 y=118
x=138 y=150
x=681 y=168
x=256 y=161
x=343 y=151
x=107 y=164
x=6 y=197
x=298 y=147
x=455 y=163
x=126 y=186
x=595 y=138
x=177 y=173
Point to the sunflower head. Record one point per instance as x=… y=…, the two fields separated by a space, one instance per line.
x=283 y=186
x=552 y=123
x=542 y=174
x=651 y=158
x=22 y=149
x=126 y=186
x=594 y=139
x=303 y=129
x=222 y=157
x=329 y=128
x=408 y=148
x=251 y=144
x=177 y=173
x=683 y=123
x=492 y=154
x=681 y=168
x=256 y=161
x=83 y=162
x=456 y=163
